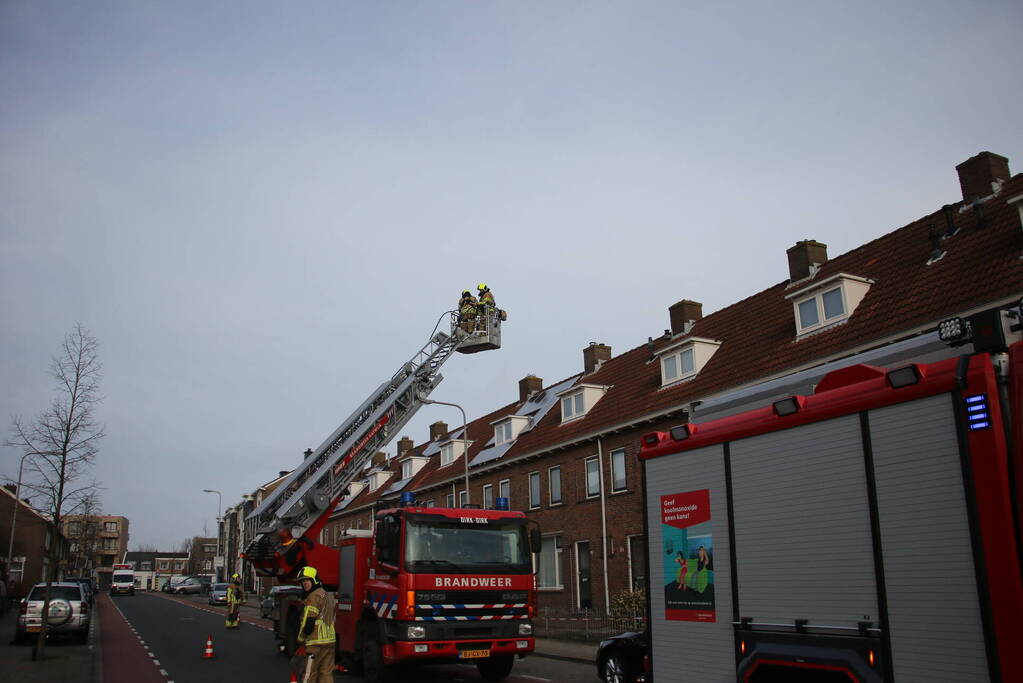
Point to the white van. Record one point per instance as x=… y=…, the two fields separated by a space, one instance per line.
x=123 y=580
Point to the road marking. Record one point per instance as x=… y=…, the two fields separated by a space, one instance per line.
x=533 y=678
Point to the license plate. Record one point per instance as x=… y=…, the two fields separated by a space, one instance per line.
x=34 y=629
x=473 y=654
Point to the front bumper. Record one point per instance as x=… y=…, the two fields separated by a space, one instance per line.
x=405 y=650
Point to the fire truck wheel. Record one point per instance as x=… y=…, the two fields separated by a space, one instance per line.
x=373 y=668
x=495 y=668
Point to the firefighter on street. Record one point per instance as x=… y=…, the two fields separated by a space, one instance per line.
x=235 y=597
x=468 y=309
x=316 y=629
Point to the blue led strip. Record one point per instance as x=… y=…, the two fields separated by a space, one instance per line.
x=978 y=415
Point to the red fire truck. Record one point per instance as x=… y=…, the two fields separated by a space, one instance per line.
x=867 y=532
x=428 y=584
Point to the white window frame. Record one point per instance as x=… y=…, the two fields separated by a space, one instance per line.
x=624 y=469
x=502 y=432
x=488 y=496
x=110 y=527
x=573 y=406
x=431 y=503
x=406 y=469
x=534 y=484
x=586 y=473
x=463 y=498
x=501 y=486
x=678 y=361
x=850 y=288
x=559 y=500
x=558 y=549
x=447 y=454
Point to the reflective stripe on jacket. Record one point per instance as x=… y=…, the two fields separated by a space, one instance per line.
x=235 y=594
x=319 y=606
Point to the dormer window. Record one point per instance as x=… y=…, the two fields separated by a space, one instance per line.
x=578 y=400
x=451 y=451
x=411 y=466
x=507 y=429
x=685 y=359
x=828 y=302
x=377 y=479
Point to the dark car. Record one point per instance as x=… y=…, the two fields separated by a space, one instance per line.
x=623 y=658
x=266 y=605
x=87 y=584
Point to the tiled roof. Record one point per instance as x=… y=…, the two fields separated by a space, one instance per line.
x=981 y=266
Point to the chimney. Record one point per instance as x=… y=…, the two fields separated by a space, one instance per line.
x=594 y=356
x=307 y=453
x=978 y=175
x=683 y=315
x=438 y=430
x=804 y=259
x=404 y=444
x=12 y=488
x=529 y=385
x=379 y=459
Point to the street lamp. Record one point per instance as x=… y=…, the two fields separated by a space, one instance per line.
x=219 y=502
x=465 y=437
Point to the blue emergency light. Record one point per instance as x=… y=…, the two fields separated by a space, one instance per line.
x=978 y=414
x=408 y=499
x=501 y=504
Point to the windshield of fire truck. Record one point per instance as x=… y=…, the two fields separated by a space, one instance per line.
x=441 y=545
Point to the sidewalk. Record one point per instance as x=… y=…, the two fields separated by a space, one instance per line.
x=62 y=661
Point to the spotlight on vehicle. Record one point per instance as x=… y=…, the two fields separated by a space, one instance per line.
x=788 y=406
x=904 y=377
x=955 y=331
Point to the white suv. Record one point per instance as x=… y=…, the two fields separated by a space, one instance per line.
x=69 y=612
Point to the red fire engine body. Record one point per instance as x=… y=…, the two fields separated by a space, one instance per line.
x=868 y=532
x=429 y=584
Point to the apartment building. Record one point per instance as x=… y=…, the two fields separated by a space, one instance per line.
x=98 y=542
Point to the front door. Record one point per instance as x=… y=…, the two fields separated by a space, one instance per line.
x=582 y=557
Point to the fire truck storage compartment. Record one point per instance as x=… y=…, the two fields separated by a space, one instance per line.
x=801 y=499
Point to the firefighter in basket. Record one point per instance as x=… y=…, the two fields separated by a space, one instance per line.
x=316 y=629
x=468 y=310
x=487 y=305
x=235 y=597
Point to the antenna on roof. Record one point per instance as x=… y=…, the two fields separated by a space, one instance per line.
x=950 y=226
x=937 y=253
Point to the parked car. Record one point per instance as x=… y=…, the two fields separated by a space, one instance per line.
x=190 y=585
x=266 y=605
x=218 y=594
x=69 y=612
x=623 y=658
x=87 y=584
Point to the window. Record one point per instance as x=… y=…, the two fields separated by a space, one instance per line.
x=592 y=477
x=550 y=563
x=827 y=302
x=325 y=536
x=146 y=566
x=504 y=490
x=503 y=433
x=447 y=454
x=431 y=503
x=209 y=548
x=534 y=490
x=74 y=528
x=678 y=365
x=554 y=485
x=451 y=500
x=164 y=565
x=207 y=565
x=463 y=498
x=109 y=544
x=180 y=564
x=618 y=482
x=110 y=527
x=488 y=496
x=406 y=469
x=572 y=406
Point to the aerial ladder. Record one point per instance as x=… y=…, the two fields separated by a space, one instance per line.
x=289 y=520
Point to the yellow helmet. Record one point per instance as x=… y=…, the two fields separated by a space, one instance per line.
x=307 y=573
x=235 y=577
x=481 y=286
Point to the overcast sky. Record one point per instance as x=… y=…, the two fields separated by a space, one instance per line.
x=260 y=209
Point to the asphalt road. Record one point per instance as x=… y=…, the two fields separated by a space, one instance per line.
x=175 y=630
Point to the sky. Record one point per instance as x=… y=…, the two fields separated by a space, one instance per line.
x=261 y=209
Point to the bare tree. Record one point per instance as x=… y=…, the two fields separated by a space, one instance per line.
x=146 y=548
x=65 y=437
x=86 y=545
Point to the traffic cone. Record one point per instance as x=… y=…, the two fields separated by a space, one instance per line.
x=208 y=654
x=293 y=679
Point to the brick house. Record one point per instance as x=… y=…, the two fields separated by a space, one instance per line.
x=97 y=543
x=33 y=533
x=567 y=454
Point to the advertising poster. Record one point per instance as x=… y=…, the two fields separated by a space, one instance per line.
x=688 y=556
